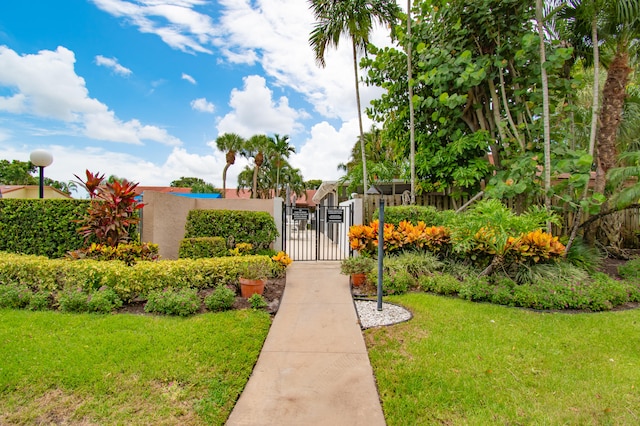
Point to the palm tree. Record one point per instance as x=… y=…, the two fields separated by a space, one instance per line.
x=354 y=18
x=545 y=112
x=255 y=148
x=229 y=143
x=280 y=151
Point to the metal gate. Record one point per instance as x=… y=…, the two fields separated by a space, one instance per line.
x=316 y=235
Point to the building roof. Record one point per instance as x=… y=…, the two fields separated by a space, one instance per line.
x=5 y=189
x=166 y=189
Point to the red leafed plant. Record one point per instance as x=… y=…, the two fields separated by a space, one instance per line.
x=112 y=211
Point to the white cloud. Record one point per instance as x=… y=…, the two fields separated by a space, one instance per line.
x=70 y=160
x=327 y=147
x=48 y=87
x=114 y=65
x=175 y=22
x=202 y=105
x=189 y=78
x=254 y=111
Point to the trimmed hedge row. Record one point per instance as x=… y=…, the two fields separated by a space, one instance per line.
x=41 y=227
x=129 y=282
x=197 y=248
x=235 y=226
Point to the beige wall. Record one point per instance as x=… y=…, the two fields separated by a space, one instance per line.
x=31 y=191
x=165 y=215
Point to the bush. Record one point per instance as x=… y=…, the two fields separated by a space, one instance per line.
x=439 y=283
x=257 y=301
x=199 y=247
x=129 y=253
x=40 y=273
x=104 y=301
x=414 y=214
x=40 y=227
x=630 y=270
x=221 y=299
x=235 y=226
x=397 y=283
x=182 y=302
x=40 y=301
x=14 y=296
x=73 y=300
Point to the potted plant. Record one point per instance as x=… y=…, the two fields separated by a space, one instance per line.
x=357 y=267
x=252 y=277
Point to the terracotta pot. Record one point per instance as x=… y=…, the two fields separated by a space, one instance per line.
x=358 y=279
x=249 y=287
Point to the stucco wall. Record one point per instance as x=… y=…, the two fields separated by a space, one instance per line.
x=165 y=215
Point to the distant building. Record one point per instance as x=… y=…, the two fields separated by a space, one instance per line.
x=30 y=191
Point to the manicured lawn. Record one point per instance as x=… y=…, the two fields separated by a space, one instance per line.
x=125 y=369
x=459 y=362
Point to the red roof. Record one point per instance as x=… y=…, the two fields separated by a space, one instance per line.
x=166 y=189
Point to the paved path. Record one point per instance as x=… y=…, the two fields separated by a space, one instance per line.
x=313 y=368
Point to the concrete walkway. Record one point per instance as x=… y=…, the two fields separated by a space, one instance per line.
x=313 y=368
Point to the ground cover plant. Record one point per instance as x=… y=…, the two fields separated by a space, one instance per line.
x=458 y=362
x=125 y=369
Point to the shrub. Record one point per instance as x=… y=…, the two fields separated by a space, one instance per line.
x=439 y=283
x=397 y=283
x=630 y=270
x=182 y=302
x=220 y=299
x=113 y=211
x=584 y=256
x=14 y=296
x=40 y=227
x=73 y=300
x=104 y=301
x=257 y=301
x=40 y=301
x=235 y=226
x=413 y=214
x=129 y=253
x=415 y=263
x=40 y=273
x=197 y=248
x=281 y=262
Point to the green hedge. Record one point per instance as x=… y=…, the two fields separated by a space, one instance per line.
x=197 y=248
x=40 y=227
x=237 y=226
x=129 y=282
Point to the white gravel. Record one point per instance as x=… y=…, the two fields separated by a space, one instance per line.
x=371 y=317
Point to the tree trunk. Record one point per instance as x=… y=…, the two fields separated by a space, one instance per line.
x=545 y=113
x=224 y=180
x=362 y=150
x=412 y=132
x=613 y=97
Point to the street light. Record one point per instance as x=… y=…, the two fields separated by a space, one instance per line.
x=375 y=191
x=42 y=159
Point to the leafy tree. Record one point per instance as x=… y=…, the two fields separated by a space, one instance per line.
x=354 y=18
x=230 y=143
x=197 y=185
x=17 y=173
x=313 y=183
x=20 y=173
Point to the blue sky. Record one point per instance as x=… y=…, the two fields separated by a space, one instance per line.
x=141 y=89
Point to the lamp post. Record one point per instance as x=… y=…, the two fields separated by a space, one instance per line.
x=375 y=191
x=42 y=159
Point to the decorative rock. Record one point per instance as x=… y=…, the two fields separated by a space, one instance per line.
x=370 y=316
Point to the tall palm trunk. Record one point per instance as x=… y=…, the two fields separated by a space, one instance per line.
x=362 y=150
x=613 y=97
x=545 y=113
x=231 y=159
x=412 y=126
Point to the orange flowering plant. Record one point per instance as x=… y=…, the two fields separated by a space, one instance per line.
x=406 y=236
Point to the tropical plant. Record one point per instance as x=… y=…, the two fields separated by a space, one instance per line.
x=354 y=18
x=229 y=143
x=254 y=148
x=279 y=152
x=112 y=212
x=357 y=265
x=197 y=185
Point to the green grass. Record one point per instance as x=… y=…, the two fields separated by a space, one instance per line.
x=125 y=369
x=464 y=363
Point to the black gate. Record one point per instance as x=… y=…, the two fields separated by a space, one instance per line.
x=316 y=235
